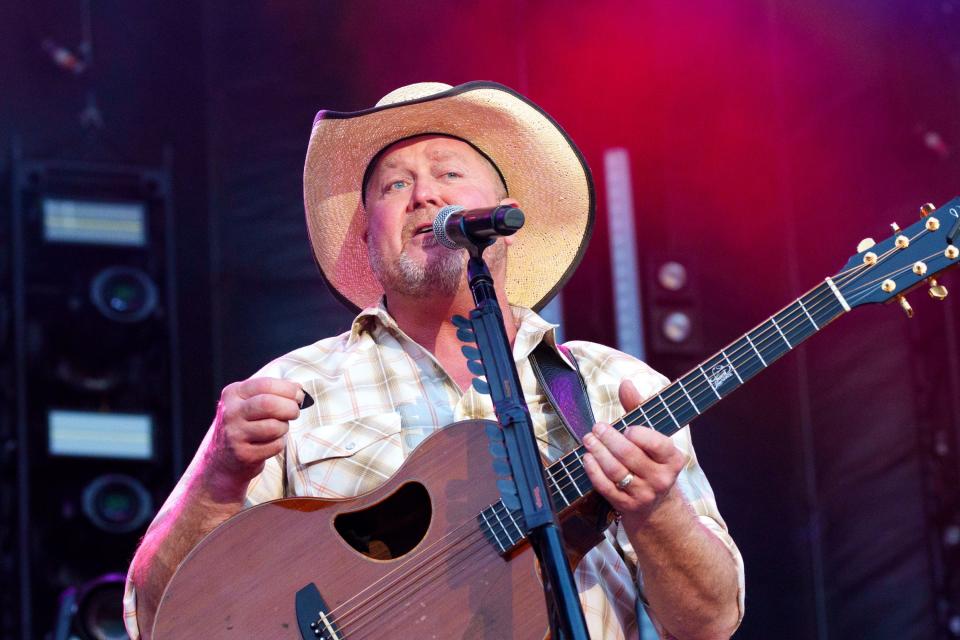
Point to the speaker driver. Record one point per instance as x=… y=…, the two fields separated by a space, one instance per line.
x=117 y=503
x=123 y=294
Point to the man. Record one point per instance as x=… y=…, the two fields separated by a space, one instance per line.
x=374 y=181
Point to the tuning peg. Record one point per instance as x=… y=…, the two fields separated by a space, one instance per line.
x=895 y=227
x=907 y=309
x=866 y=243
x=937 y=291
x=927 y=209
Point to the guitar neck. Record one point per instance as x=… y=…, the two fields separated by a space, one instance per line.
x=693 y=393
x=686 y=398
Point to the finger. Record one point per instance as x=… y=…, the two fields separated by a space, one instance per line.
x=625 y=451
x=612 y=467
x=256 y=453
x=273 y=386
x=604 y=485
x=265 y=406
x=655 y=445
x=263 y=431
x=630 y=398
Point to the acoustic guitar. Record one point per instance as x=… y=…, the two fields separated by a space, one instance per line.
x=434 y=552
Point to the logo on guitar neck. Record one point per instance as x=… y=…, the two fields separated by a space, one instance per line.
x=718 y=374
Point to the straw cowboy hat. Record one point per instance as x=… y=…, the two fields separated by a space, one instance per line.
x=540 y=165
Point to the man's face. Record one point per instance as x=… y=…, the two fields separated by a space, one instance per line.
x=410 y=183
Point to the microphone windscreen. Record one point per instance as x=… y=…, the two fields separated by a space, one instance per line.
x=440 y=226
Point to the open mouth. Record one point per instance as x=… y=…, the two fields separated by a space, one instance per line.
x=422 y=229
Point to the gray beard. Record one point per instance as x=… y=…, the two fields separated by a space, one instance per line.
x=442 y=275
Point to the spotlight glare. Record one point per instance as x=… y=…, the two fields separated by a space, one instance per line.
x=676 y=327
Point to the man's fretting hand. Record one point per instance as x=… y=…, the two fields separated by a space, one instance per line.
x=252 y=419
x=635 y=471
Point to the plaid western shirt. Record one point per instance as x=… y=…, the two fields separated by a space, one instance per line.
x=378 y=394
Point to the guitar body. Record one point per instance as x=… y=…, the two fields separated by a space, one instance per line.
x=435 y=575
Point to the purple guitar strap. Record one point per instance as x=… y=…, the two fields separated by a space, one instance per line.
x=564 y=388
x=566 y=391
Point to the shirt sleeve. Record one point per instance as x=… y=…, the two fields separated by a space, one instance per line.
x=603 y=369
x=269 y=485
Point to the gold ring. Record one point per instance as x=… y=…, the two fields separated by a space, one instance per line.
x=627 y=479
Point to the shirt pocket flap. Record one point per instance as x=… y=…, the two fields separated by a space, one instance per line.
x=346 y=439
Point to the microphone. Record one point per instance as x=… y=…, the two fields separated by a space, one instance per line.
x=458 y=228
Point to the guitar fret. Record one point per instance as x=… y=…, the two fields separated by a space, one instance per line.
x=556 y=485
x=646 y=418
x=517 y=526
x=733 y=368
x=836 y=292
x=572 y=481
x=577 y=454
x=483 y=514
x=664 y=403
x=563 y=461
x=809 y=317
x=500 y=522
x=755 y=350
x=684 y=389
x=709 y=384
x=780 y=331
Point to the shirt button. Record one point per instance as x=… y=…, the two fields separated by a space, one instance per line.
x=351 y=446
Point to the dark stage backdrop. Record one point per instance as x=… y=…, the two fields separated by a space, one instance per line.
x=766 y=139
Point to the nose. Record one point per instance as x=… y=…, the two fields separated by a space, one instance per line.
x=425 y=193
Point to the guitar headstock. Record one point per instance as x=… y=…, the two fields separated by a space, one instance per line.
x=883 y=271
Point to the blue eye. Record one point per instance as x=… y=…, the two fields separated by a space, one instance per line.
x=396 y=185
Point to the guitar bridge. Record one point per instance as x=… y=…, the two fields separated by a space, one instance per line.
x=313 y=615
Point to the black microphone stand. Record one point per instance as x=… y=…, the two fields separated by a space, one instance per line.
x=563 y=603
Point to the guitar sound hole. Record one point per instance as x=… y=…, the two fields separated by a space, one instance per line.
x=390 y=528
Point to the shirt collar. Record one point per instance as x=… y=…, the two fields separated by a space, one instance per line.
x=531 y=329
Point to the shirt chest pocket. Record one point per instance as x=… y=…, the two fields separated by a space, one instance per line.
x=347 y=459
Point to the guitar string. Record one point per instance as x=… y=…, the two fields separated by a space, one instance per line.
x=864 y=287
x=409 y=578
x=765 y=336
x=579 y=468
x=419 y=556
x=761 y=340
x=338 y=614
x=359 y=617
x=861 y=293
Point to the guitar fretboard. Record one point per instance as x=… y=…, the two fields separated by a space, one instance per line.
x=686 y=398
